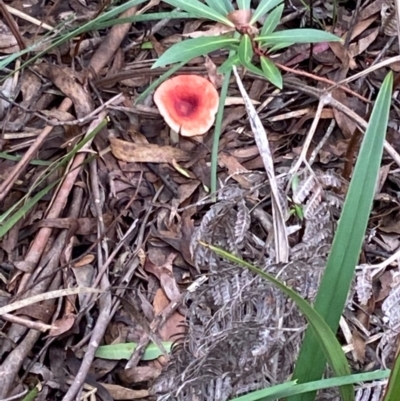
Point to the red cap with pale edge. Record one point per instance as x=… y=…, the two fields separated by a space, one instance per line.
x=188 y=104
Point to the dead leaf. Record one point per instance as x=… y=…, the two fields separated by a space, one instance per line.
x=62 y=325
x=173 y=325
x=165 y=274
x=66 y=81
x=8 y=43
x=122 y=393
x=211 y=30
x=145 y=153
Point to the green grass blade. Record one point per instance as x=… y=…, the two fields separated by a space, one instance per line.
x=218 y=129
x=263 y=8
x=191 y=48
x=125 y=350
x=281 y=391
x=306 y=35
x=393 y=387
x=7 y=222
x=7 y=156
x=325 y=336
x=200 y=10
x=69 y=35
x=348 y=239
x=143 y=18
x=272 y=20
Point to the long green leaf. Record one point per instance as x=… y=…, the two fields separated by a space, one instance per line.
x=191 y=48
x=143 y=18
x=245 y=50
x=393 y=387
x=125 y=350
x=297 y=36
x=345 y=252
x=243 y=4
x=281 y=391
x=263 y=7
x=7 y=156
x=325 y=336
x=228 y=64
x=271 y=72
x=200 y=10
x=272 y=21
x=224 y=7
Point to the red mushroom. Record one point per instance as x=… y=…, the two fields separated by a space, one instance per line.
x=188 y=104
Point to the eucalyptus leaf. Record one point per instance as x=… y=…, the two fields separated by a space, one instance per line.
x=263 y=7
x=297 y=36
x=271 y=72
x=191 y=48
x=200 y=10
x=272 y=21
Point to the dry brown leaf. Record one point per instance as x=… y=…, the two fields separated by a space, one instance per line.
x=165 y=274
x=66 y=81
x=347 y=125
x=358 y=48
x=211 y=30
x=146 y=153
x=234 y=167
x=122 y=393
x=62 y=325
x=8 y=43
x=174 y=325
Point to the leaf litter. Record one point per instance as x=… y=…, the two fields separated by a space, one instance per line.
x=132 y=204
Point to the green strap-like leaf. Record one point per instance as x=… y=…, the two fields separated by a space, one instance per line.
x=125 y=350
x=272 y=20
x=223 y=7
x=281 y=391
x=271 y=72
x=297 y=36
x=243 y=4
x=245 y=50
x=263 y=8
x=393 y=387
x=191 y=48
x=228 y=64
x=200 y=10
x=325 y=336
x=346 y=247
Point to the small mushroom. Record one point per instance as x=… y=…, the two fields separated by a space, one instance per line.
x=188 y=104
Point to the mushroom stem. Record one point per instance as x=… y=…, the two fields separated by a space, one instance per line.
x=174 y=136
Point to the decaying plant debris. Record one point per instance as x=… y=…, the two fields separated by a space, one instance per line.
x=127 y=211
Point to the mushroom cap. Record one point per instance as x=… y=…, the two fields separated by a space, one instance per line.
x=188 y=104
